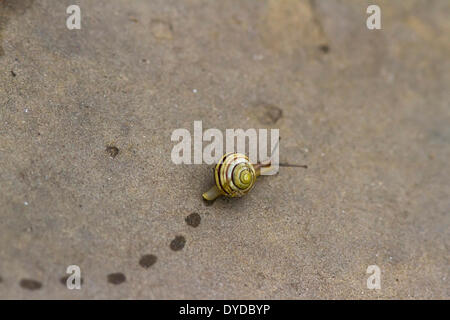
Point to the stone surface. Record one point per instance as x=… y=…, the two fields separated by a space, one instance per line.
x=86 y=176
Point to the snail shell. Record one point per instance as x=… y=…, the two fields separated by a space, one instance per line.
x=235 y=176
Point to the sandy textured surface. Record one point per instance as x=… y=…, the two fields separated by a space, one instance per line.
x=367 y=111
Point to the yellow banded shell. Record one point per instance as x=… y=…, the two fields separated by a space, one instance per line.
x=234 y=175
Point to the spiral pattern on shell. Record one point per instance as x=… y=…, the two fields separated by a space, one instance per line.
x=234 y=175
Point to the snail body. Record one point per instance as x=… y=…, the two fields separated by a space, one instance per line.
x=234 y=176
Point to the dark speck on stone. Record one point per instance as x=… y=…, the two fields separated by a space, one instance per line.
x=116 y=278
x=147 y=260
x=193 y=220
x=30 y=284
x=112 y=151
x=324 y=48
x=178 y=243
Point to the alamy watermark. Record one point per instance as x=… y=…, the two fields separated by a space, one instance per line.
x=74 y=20
x=374 y=280
x=74 y=280
x=374 y=20
x=252 y=142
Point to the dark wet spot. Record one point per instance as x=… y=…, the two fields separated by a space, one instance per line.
x=147 y=260
x=30 y=284
x=193 y=220
x=112 y=151
x=177 y=243
x=64 y=280
x=116 y=278
x=324 y=48
x=269 y=114
x=13 y=73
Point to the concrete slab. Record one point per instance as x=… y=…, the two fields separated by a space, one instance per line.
x=86 y=176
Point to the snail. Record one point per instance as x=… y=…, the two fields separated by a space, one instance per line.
x=235 y=176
